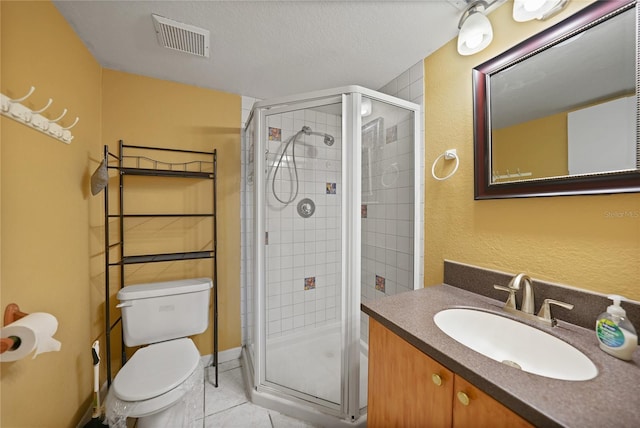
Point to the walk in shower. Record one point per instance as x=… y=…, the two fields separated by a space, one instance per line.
x=332 y=206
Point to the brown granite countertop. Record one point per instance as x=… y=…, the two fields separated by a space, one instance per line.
x=611 y=399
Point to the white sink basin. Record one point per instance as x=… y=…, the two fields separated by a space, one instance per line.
x=515 y=344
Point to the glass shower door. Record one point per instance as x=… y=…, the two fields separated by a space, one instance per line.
x=388 y=210
x=336 y=198
x=303 y=252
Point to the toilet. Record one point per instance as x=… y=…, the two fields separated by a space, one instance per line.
x=154 y=384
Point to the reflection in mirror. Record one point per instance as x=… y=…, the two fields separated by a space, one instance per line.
x=560 y=112
x=568 y=110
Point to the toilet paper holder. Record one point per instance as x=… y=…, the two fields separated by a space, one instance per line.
x=11 y=313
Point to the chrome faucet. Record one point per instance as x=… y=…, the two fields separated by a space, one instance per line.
x=527 y=299
x=514 y=285
x=527 y=308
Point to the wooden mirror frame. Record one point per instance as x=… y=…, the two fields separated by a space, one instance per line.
x=616 y=182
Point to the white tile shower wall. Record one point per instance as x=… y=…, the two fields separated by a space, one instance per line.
x=387 y=244
x=303 y=254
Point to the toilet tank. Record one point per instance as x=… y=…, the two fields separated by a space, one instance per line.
x=160 y=311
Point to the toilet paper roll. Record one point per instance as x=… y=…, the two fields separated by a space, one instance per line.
x=35 y=332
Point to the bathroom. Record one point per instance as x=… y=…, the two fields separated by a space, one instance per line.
x=52 y=227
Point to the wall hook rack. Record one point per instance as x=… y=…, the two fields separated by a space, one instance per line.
x=43 y=108
x=14 y=109
x=75 y=122
x=57 y=119
x=19 y=100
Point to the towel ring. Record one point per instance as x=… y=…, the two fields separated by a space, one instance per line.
x=448 y=155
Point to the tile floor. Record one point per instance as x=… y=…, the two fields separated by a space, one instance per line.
x=228 y=405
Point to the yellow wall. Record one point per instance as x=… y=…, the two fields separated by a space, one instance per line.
x=51 y=252
x=590 y=242
x=45 y=213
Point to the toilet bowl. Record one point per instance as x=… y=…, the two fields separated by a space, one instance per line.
x=161 y=384
x=155 y=379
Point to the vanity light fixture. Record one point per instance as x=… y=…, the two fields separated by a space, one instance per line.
x=527 y=10
x=475 y=29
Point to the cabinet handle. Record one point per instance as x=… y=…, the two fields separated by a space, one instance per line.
x=436 y=379
x=463 y=398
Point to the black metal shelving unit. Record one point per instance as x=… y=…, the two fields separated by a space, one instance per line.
x=195 y=169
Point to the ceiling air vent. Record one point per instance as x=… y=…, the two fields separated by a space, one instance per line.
x=181 y=37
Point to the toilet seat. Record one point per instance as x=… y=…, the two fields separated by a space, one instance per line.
x=141 y=409
x=156 y=370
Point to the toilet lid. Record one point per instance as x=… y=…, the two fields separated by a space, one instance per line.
x=156 y=369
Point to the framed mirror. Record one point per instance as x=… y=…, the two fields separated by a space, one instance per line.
x=558 y=113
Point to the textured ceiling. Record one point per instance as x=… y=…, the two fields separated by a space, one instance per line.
x=266 y=49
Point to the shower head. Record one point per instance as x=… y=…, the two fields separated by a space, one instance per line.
x=328 y=139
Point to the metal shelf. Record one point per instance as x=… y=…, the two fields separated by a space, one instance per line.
x=195 y=168
x=160 y=215
x=166 y=173
x=166 y=257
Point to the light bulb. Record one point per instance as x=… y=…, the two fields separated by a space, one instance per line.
x=473 y=41
x=526 y=10
x=533 y=5
x=475 y=34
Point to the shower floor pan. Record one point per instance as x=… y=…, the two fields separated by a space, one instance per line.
x=310 y=361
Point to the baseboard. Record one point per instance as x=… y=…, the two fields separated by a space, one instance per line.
x=223 y=356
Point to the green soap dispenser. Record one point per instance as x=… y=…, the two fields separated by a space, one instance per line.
x=614 y=331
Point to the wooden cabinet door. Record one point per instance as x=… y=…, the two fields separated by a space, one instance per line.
x=403 y=391
x=480 y=410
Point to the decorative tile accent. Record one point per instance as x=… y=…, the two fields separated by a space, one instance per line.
x=380 y=283
x=275 y=134
x=331 y=188
x=363 y=211
x=392 y=134
x=310 y=283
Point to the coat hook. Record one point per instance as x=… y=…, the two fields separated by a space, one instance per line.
x=43 y=108
x=58 y=118
x=75 y=122
x=18 y=100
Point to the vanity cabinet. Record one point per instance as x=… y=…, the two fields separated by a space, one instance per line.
x=474 y=408
x=406 y=388
x=409 y=389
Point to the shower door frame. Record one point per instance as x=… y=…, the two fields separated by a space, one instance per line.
x=351 y=199
x=260 y=313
